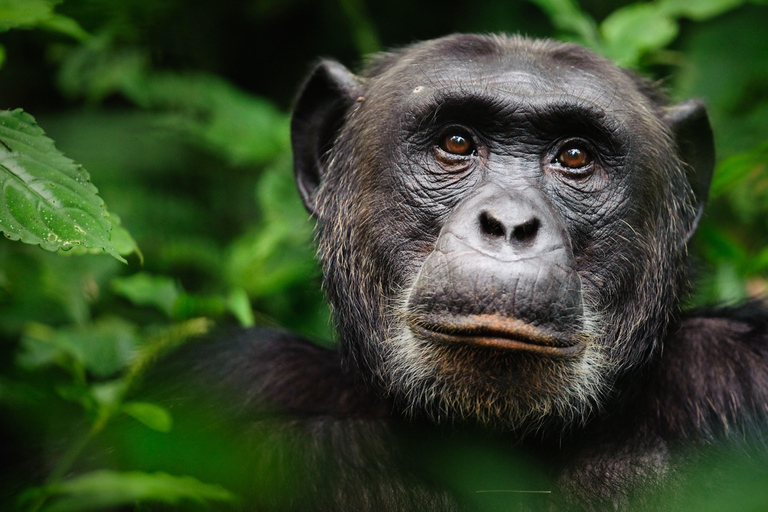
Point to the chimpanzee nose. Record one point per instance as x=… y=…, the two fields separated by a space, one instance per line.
x=496 y=225
x=506 y=224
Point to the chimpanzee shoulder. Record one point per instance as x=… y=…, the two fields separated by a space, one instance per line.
x=266 y=369
x=711 y=379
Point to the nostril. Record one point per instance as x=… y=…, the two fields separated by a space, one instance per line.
x=491 y=226
x=526 y=231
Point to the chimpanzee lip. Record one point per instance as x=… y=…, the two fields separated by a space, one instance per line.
x=491 y=330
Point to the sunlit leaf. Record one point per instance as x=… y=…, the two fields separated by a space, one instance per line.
x=101 y=489
x=124 y=243
x=240 y=306
x=568 y=17
x=730 y=284
x=108 y=393
x=121 y=240
x=16 y=13
x=47 y=199
x=32 y=13
x=278 y=199
x=151 y=415
x=633 y=30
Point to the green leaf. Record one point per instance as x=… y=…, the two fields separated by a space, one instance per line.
x=760 y=263
x=730 y=285
x=698 y=10
x=24 y=13
x=96 y=70
x=213 y=113
x=101 y=489
x=65 y=25
x=735 y=169
x=566 y=15
x=32 y=13
x=240 y=306
x=108 y=393
x=278 y=253
x=39 y=347
x=361 y=25
x=634 y=30
x=151 y=415
x=124 y=243
x=78 y=393
x=102 y=347
x=47 y=199
x=147 y=290
x=266 y=261
x=243 y=128
x=121 y=240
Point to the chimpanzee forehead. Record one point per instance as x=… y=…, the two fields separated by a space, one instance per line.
x=515 y=77
x=512 y=68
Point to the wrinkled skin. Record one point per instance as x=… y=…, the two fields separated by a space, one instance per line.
x=503 y=228
x=420 y=244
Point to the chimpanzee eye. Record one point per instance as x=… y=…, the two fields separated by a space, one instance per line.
x=574 y=156
x=457 y=142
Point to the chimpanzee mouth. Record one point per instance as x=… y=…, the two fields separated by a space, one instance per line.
x=493 y=331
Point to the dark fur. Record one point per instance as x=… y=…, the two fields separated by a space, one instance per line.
x=362 y=436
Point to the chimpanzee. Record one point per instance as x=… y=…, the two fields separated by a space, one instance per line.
x=503 y=226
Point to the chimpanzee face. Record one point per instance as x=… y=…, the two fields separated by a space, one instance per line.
x=502 y=224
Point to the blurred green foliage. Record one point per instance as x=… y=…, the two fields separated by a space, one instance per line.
x=179 y=112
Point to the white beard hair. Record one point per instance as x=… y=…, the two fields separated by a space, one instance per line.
x=410 y=374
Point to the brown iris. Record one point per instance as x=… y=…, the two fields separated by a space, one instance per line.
x=457 y=144
x=574 y=157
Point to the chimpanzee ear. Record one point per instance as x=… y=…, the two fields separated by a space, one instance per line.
x=690 y=128
x=327 y=94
